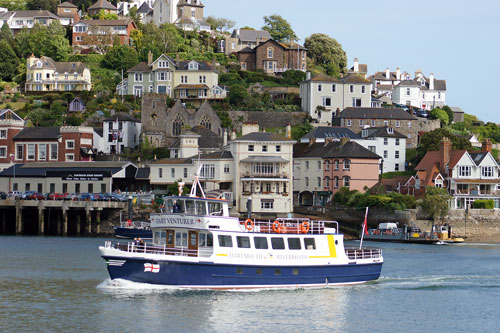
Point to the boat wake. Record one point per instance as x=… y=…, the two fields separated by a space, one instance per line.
x=439 y=282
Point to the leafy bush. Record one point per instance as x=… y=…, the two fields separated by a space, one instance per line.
x=484 y=204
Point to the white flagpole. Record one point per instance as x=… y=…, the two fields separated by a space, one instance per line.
x=363 y=230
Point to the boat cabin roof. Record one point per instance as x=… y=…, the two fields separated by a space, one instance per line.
x=195 y=198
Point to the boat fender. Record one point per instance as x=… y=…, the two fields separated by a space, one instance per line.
x=276 y=227
x=304 y=227
x=249 y=224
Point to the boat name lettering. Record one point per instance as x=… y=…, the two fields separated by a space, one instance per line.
x=174 y=220
x=291 y=257
x=247 y=256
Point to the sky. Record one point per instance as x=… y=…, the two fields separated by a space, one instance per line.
x=457 y=40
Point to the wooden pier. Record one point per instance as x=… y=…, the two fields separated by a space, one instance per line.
x=54 y=217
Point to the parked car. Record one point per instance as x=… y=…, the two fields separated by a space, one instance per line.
x=71 y=196
x=25 y=195
x=3 y=195
x=14 y=194
x=422 y=113
x=57 y=196
x=36 y=196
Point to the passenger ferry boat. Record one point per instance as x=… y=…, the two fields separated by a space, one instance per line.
x=196 y=244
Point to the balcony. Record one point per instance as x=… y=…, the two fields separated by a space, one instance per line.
x=264 y=175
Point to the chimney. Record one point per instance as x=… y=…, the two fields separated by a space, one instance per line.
x=487 y=145
x=387 y=73
x=356 y=65
x=445 y=148
x=288 y=131
x=233 y=134
x=328 y=140
x=308 y=76
x=150 y=58
x=398 y=74
x=224 y=137
x=312 y=141
x=177 y=58
x=431 y=81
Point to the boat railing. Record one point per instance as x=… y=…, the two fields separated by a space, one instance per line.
x=289 y=226
x=364 y=253
x=135 y=224
x=149 y=248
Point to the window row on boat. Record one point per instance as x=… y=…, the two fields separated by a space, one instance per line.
x=194 y=206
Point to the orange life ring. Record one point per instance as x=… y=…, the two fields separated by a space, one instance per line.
x=304 y=227
x=249 y=224
x=276 y=227
x=129 y=223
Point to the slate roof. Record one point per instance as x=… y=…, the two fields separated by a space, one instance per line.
x=202 y=65
x=140 y=67
x=67 y=4
x=111 y=23
x=262 y=136
x=31 y=13
x=142 y=173
x=333 y=149
x=323 y=132
x=103 y=4
x=144 y=9
x=246 y=50
x=478 y=157
x=122 y=116
x=251 y=35
x=5 y=112
x=224 y=154
x=354 y=78
x=174 y=161
x=376 y=113
x=409 y=83
x=40 y=169
x=207 y=139
x=38 y=133
x=381 y=132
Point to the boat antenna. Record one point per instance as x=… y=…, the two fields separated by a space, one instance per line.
x=196 y=181
x=365 y=229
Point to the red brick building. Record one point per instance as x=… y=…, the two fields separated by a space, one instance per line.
x=100 y=33
x=10 y=125
x=273 y=57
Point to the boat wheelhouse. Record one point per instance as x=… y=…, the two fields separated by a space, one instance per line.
x=196 y=244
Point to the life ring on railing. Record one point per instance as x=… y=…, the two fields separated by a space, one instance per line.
x=304 y=227
x=249 y=224
x=276 y=227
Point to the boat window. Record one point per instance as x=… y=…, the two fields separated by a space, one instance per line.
x=170 y=237
x=277 y=243
x=202 y=241
x=243 y=242
x=160 y=237
x=192 y=238
x=309 y=244
x=181 y=239
x=189 y=207
x=210 y=240
x=169 y=205
x=294 y=243
x=260 y=242
x=225 y=241
x=214 y=208
x=201 y=207
x=180 y=206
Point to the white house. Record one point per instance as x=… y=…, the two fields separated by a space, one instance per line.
x=387 y=143
x=120 y=131
x=323 y=97
x=407 y=92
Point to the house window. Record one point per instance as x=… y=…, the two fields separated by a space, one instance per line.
x=407 y=91
x=138 y=91
x=336 y=164
x=177 y=126
x=351 y=88
x=205 y=122
x=464 y=171
x=307 y=181
x=3 y=134
x=347 y=165
x=398 y=123
x=409 y=124
x=386 y=141
x=208 y=171
x=70 y=144
x=320 y=87
x=42 y=152
x=374 y=123
x=138 y=77
x=267 y=204
x=396 y=167
x=250 y=148
x=361 y=122
x=487 y=172
x=396 y=154
x=270 y=52
x=438 y=183
x=348 y=122
x=386 y=154
x=278 y=148
x=19 y=152
x=185 y=173
x=160 y=172
x=307 y=165
x=334 y=87
x=319 y=165
x=70 y=157
x=203 y=79
x=327 y=101
x=226 y=168
x=172 y=173
x=53 y=151
x=347 y=181
x=31 y=151
x=327 y=165
x=373 y=149
x=336 y=182
x=397 y=142
x=327 y=182
x=386 y=123
x=3 y=151
x=264 y=148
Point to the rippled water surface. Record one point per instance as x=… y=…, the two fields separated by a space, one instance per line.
x=61 y=284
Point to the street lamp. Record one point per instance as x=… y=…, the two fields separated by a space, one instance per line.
x=14 y=165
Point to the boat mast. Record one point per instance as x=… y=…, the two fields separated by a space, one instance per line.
x=365 y=228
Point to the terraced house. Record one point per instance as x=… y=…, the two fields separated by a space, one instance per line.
x=184 y=80
x=45 y=74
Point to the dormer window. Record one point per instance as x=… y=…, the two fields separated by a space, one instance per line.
x=390 y=130
x=364 y=133
x=39 y=64
x=193 y=66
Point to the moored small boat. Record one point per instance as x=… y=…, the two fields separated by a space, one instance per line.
x=133 y=229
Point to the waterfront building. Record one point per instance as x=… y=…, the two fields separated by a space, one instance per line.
x=120 y=131
x=10 y=125
x=388 y=144
x=468 y=176
x=323 y=97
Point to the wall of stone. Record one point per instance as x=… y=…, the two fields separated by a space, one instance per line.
x=266 y=119
x=427 y=125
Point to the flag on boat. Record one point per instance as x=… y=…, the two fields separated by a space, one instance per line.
x=153 y=268
x=365 y=224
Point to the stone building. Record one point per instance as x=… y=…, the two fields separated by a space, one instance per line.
x=163 y=125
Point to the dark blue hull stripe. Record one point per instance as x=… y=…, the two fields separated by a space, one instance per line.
x=175 y=273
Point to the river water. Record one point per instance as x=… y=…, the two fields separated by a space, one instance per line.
x=61 y=284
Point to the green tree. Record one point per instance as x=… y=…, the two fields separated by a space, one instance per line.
x=120 y=57
x=435 y=202
x=49 y=5
x=9 y=61
x=326 y=53
x=437 y=113
x=102 y=15
x=279 y=28
x=247 y=28
x=430 y=141
x=45 y=41
x=237 y=94
x=449 y=112
x=219 y=23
